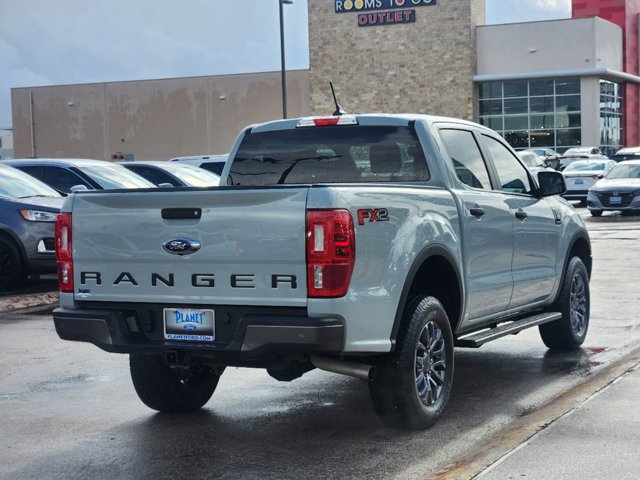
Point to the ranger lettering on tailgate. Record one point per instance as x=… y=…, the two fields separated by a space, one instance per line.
x=197 y=280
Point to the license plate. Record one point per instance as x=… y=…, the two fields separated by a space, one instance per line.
x=615 y=200
x=193 y=325
x=579 y=181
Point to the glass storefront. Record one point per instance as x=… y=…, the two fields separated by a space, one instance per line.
x=546 y=112
x=533 y=113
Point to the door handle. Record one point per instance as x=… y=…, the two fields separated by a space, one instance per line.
x=521 y=214
x=181 y=213
x=476 y=211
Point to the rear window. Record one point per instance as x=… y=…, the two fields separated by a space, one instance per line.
x=115 y=176
x=584 y=167
x=340 y=154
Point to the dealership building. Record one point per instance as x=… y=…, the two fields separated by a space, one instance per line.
x=557 y=84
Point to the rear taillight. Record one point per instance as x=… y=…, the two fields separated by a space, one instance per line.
x=63 y=252
x=331 y=252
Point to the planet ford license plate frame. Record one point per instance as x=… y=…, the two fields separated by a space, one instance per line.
x=189 y=324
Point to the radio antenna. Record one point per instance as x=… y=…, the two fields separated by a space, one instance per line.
x=339 y=110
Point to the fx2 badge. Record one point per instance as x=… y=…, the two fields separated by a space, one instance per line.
x=373 y=215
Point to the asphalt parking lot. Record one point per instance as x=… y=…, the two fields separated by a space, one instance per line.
x=69 y=410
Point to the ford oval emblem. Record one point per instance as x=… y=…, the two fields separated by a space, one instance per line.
x=181 y=246
x=188 y=326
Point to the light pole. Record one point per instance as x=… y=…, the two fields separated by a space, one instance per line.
x=282 y=62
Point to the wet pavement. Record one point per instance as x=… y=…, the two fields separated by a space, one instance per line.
x=69 y=410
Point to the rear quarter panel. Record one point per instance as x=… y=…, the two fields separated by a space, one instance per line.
x=418 y=216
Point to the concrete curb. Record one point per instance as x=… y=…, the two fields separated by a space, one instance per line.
x=28 y=303
x=506 y=440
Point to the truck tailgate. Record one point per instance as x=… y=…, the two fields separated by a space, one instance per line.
x=252 y=246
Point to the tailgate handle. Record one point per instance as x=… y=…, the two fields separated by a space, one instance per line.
x=181 y=213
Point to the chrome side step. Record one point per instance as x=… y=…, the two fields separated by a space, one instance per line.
x=475 y=340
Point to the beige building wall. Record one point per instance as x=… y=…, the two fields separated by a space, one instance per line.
x=422 y=67
x=590 y=110
x=150 y=119
x=559 y=45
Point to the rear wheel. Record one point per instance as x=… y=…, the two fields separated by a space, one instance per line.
x=12 y=271
x=570 y=331
x=172 y=390
x=413 y=384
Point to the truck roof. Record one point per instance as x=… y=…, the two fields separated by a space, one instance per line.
x=364 y=119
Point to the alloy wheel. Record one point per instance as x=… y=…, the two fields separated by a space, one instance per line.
x=578 y=304
x=431 y=364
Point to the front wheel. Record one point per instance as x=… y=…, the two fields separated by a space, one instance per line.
x=12 y=272
x=171 y=390
x=596 y=213
x=570 y=331
x=413 y=384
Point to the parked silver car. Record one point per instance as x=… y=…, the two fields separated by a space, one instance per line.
x=28 y=211
x=568 y=158
x=619 y=190
x=533 y=162
x=548 y=156
x=581 y=175
x=177 y=174
x=65 y=173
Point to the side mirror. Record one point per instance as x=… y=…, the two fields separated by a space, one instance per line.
x=551 y=183
x=78 y=188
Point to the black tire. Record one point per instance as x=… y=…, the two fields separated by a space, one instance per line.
x=12 y=272
x=596 y=213
x=413 y=383
x=569 y=332
x=171 y=390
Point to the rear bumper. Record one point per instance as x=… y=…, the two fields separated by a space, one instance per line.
x=240 y=336
x=575 y=194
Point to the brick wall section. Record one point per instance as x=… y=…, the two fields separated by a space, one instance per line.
x=624 y=13
x=422 y=67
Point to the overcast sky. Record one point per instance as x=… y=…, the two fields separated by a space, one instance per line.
x=79 y=41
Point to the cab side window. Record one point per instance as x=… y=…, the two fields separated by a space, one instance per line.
x=467 y=160
x=513 y=176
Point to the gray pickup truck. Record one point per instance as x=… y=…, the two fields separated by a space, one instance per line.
x=365 y=245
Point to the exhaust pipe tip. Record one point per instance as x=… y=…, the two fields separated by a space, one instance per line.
x=344 y=367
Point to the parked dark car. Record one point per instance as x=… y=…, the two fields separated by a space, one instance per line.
x=175 y=173
x=28 y=211
x=65 y=173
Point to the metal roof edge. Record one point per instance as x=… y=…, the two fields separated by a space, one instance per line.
x=586 y=72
